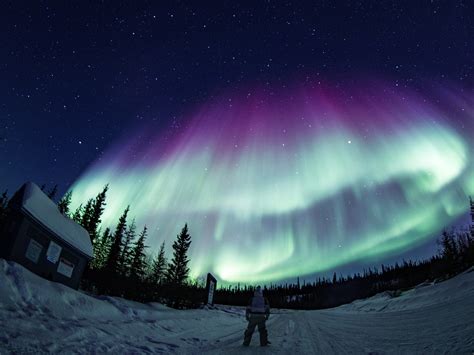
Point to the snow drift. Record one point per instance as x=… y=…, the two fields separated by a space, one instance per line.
x=41 y=316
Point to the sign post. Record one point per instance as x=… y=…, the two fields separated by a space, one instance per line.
x=211 y=284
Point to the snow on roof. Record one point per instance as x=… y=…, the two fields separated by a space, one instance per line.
x=40 y=206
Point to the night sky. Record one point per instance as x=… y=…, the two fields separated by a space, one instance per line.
x=322 y=134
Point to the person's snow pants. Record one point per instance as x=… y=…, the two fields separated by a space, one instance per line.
x=256 y=320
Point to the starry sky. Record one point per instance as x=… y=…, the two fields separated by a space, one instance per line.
x=283 y=127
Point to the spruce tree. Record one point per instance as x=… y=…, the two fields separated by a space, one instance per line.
x=138 y=256
x=470 y=235
x=471 y=203
x=112 y=263
x=4 y=200
x=159 y=266
x=449 y=247
x=178 y=270
x=86 y=214
x=77 y=215
x=450 y=251
x=96 y=211
x=125 y=258
x=3 y=206
x=101 y=249
x=64 y=203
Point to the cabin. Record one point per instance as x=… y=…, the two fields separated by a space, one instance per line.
x=43 y=240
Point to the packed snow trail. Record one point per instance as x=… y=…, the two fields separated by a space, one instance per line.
x=38 y=316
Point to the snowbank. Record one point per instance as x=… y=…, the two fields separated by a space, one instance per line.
x=426 y=295
x=45 y=317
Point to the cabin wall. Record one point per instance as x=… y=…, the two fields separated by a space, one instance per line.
x=8 y=232
x=30 y=248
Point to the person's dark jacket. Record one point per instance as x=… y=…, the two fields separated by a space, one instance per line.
x=258 y=305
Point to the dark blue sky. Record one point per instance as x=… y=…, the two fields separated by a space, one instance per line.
x=77 y=75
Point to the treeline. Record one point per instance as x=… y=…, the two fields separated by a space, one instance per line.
x=455 y=256
x=122 y=267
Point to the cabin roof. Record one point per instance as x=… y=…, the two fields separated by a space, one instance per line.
x=35 y=203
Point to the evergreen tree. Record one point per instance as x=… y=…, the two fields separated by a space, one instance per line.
x=3 y=206
x=149 y=265
x=450 y=252
x=138 y=256
x=178 y=270
x=112 y=263
x=95 y=214
x=102 y=249
x=159 y=266
x=52 y=193
x=64 y=203
x=4 y=200
x=125 y=256
x=77 y=215
x=471 y=203
x=87 y=214
x=449 y=247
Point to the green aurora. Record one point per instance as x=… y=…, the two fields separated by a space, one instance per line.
x=278 y=187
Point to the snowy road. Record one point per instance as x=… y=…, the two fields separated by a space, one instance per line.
x=37 y=316
x=432 y=330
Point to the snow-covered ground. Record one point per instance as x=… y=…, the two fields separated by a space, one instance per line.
x=38 y=316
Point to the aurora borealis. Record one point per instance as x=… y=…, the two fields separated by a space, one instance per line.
x=294 y=138
x=296 y=181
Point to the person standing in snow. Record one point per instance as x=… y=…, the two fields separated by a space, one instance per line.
x=257 y=312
